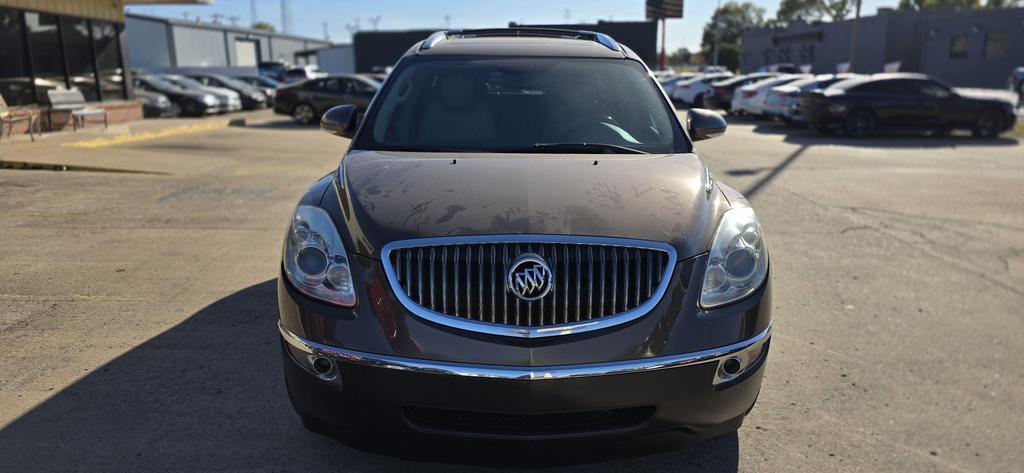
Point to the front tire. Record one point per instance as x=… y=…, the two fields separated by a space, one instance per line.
x=988 y=125
x=859 y=124
x=304 y=114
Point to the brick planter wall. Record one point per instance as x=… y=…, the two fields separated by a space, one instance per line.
x=117 y=112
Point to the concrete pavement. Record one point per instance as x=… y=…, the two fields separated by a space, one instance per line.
x=137 y=310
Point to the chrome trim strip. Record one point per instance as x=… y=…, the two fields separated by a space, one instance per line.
x=516 y=372
x=528 y=332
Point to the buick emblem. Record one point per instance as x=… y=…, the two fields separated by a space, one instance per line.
x=529 y=277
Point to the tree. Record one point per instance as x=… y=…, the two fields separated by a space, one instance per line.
x=264 y=26
x=732 y=19
x=956 y=5
x=812 y=10
x=791 y=10
x=679 y=57
x=729 y=56
x=837 y=10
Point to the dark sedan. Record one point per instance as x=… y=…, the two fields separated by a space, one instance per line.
x=861 y=106
x=190 y=102
x=252 y=97
x=306 y=101
x=722 y=91
x=477 y=277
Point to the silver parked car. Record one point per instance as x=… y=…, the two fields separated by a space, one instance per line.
x=229 y=100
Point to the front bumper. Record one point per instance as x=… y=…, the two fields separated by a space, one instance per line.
x=415 y=407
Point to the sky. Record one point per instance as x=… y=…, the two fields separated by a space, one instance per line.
x=341 y=16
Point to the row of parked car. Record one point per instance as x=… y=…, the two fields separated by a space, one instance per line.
x=855 y=104
x=195 y=95
x=304 y=99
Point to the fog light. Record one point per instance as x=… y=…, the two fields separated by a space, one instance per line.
x=732 y=366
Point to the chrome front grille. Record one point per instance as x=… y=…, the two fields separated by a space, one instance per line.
x=594 y=279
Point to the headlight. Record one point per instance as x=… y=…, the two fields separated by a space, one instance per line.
x=738 y=262
x=315 y=260
x=210 y=100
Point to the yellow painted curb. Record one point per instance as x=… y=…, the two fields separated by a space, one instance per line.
x=148 y=135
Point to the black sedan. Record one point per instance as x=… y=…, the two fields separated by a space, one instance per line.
x=252 y=97
x=307 y=100
x=189 y=102
x=861 y=106
x=722 y=91
x=477 y=277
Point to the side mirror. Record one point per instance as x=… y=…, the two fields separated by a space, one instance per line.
x=703 y=124
x=340 y=121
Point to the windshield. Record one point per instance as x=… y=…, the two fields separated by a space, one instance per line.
x=161 y=84
x=234 y=83
x=521 y=105
x=186 y=82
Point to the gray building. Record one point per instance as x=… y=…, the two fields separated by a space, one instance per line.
x=156 y=43
x=968 y=49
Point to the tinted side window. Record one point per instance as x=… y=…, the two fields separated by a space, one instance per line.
x=880 y=87
x=930 y=89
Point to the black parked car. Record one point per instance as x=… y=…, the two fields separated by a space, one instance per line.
x=863 y=105
x=722 y=91
x=520 y=254
x=155 y=105
x=189 y=102
x=252 y=97
x=267 y=85
x=306 y=101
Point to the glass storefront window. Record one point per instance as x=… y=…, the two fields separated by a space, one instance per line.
x=108 y=60
x=78 y=48
x=15 y=82
x=46 y=51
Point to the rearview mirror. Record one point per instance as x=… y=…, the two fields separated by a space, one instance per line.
x=340 y=121
x=703 y=124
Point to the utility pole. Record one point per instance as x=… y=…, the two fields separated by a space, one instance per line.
x=374 y=20
x=568 y=16
x=853 y=37
x=252 y=11
x=216 y=18
x=327 y=36
x=718 y=34
x=447 y=21
x=233 y=19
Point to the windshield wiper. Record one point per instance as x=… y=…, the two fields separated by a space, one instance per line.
x=585 y=148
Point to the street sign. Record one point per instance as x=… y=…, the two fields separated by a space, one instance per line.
x=661 y=9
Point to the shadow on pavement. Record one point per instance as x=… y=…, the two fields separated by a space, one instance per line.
x=208 y=394
x=281 y=123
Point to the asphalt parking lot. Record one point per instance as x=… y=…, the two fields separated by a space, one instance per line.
x=137 y=309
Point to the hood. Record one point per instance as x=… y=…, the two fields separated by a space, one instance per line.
x=392 y=196
x=997 y=95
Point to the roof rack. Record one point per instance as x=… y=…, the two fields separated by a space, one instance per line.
x=603 y=39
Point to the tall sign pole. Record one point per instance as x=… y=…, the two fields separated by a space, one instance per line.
x=662 y=10
x=661 y=57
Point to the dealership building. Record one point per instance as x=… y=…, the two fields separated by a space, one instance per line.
x=51 y=44
x=156 y=43
x=965 y=48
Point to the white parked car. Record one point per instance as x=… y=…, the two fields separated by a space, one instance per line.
x=693 y=91
x=783 y=101
x=669 y=84
x=750 y=98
